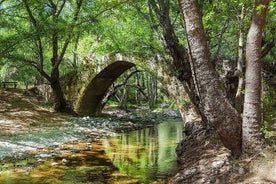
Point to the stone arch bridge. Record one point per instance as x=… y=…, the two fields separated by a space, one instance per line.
x=86 y=88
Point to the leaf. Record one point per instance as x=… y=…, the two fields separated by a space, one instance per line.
x=260 y=8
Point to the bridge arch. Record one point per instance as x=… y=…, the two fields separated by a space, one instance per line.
x=87 y=87
x=90 y=101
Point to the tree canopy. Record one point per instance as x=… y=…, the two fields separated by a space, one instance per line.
x=114 y=26
x=43 y=40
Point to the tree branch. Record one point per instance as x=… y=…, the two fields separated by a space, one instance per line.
x=37 y=35
x=75 y=19
x=268 y=47
x=110 y=8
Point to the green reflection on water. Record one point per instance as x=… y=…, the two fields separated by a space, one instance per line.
x=141 y=156
x=147 y=154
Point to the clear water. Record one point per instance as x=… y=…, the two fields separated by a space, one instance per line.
x=147 y=154
x=141 y=156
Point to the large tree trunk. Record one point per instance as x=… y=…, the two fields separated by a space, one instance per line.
x=59 y=99
x=176 y=50
x=214 y=104
x=253 y=80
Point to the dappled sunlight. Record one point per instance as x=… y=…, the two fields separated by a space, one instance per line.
x=19 y=113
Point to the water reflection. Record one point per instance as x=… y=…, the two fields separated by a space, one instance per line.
x=85 y=165
x=147 y=154
x=141 y=156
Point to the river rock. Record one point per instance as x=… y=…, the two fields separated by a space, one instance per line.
x=64 y=161
x=43 y=155
x=241 y=171
x=54 y=164
x=217 y=164
x=39 y=160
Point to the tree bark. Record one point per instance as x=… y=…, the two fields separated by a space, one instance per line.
x=177 y=51
x=240 y=65
x=60 y=104
x=214 y=104
x=253 y=81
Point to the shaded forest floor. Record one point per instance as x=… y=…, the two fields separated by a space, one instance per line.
x=19 y=110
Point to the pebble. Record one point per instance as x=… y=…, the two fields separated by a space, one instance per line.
x=212 y=179
x=64 y=161
x=241 y=171
x=28 y=170
x=54 y=164
x=45 y=155
x=191 y=171
x=217 y=164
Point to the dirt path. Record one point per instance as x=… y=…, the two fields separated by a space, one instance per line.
x=20 y=109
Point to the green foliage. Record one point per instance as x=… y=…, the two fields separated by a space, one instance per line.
x=116 y=26
x=6 y=72
x=270 y=31
x=172 y=104
x=260 y=8
x=221 y=20
x=111 y=26
x=269 y=113
x=112 y=103
x=125 y=30
x=28 y=39
x=17 y=72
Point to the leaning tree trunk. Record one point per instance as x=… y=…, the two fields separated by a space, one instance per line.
x=214 y=105
x=179 y=53
x=253 y=80
x=176 y=50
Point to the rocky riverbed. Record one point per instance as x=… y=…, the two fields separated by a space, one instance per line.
x=74 y=144
x=39 y=135
x=26 y=128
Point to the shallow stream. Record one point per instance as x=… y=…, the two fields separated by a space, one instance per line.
x=141 y=156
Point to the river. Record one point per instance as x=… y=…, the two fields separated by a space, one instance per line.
x=141 y=156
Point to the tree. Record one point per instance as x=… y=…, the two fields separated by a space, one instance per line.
x=240 y=64
x=214 y=105
x=161 y=9
x=253 y=80
x=45 y=30
x=58 y=49
x=167 y=28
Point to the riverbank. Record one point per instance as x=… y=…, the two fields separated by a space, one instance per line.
x=23 y=119
x=21 y=115
x=21 y=112
x=33 y=150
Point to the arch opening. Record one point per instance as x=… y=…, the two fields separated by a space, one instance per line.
x=89 y=104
